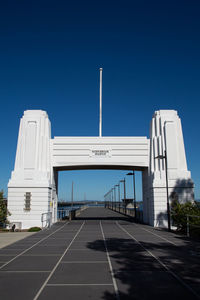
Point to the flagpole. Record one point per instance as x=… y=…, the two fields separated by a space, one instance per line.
x=100 y=104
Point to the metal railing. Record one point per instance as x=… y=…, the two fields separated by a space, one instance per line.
x=190 y=225
x=63 y=213
x=122 y=209
x=66 y=213
x=186 y=223
x=46 y=220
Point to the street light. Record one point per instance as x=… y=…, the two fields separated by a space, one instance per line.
x=124 y=181
x=119 y=196
x=134 y=194
x=72 y=195
x=112 y=197
x=107 y=199
x=116 y=196
x=167 y=189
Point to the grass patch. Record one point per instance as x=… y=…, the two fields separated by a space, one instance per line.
x=34 y=229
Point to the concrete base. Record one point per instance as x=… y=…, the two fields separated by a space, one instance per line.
x=40 y=203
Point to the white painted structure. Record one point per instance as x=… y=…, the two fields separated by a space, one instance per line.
x=32 y=189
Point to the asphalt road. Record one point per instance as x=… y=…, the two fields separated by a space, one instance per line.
x=100 y=255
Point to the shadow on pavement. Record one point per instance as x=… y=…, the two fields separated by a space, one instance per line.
x=140 y=276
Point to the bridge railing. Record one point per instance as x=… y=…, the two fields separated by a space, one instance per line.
x=189 y=224
x=63 y=213
x=122 y=209
x=70 y=213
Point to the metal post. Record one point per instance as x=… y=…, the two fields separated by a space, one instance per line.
x=125 y=194
x=121 y=204
x=124 y=189
x=100 y=103
x=135 y=209
x=119 y=196
x=112 y=198
x=167 y=190
x=115 y=197
x=72 y=194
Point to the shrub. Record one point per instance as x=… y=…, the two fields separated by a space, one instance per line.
x=180 y=212
x=4 y=213
x=34 y=229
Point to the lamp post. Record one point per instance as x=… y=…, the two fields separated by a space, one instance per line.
x=124 y=181
x=167 y=188
x=112 y=197
x=134 y=193
x=72 y=195
x=107 y=199
x=119 y=196
x=117 y=185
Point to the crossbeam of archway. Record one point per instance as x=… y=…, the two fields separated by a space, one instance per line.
x=100 y=152
x=99 y=167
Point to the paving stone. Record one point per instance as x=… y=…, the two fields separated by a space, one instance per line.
x=150 y=285
x=34 y=263
x=46 y=250
x=84 y=255
x=5 y=258
x=20 y=286
x=82 y=274
x=77 y=292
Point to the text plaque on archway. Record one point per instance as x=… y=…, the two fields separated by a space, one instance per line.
x=100 y=153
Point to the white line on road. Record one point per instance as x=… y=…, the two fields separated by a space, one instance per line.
x=78 y=284
x=10 y=271
x=110 y=265
x=46 y=281
x=32 y=246
x=85 y=262
x=157 y=235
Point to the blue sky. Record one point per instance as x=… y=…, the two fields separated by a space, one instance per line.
x=49 y=59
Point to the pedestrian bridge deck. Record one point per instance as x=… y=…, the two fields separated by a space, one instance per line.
x=100 y=255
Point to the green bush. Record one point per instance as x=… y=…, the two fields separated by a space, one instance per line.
x=180 y=212
x=34 y=229
x=4 y=213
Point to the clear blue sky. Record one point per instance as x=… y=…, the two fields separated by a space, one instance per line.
x=50 y=53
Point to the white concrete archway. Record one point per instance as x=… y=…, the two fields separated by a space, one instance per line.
x=32 y=187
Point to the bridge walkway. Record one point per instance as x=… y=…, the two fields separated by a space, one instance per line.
x=100 y=255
